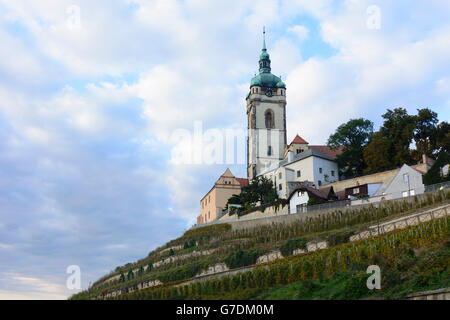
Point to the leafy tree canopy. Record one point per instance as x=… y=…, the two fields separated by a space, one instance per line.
x=260 y=190
x=425 y=133
x=353 y=136
x=390 y=146
x=443 y=138
x=434 y=174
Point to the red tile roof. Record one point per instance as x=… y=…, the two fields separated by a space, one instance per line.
x=299 y=139
x=331 y=152
x=322 y=194
x=243 y=182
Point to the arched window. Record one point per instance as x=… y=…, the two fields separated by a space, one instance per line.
x=269 y=119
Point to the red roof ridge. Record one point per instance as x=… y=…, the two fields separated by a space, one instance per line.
x=329 y=151
x=299 y=140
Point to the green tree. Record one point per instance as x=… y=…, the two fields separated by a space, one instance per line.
x=149 y=267
x=375 y=154
x=443 y=138
x=141 y=271
x=130 y=275
x=389 y=147
x=434 y=174
x=241 y=258
x=260 y=190
x=122 y=277
x=425 y=133
x=353 y=136
x=171 y=252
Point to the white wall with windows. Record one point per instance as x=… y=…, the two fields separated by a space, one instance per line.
x=407 y=182
x=311 y=168
x=315 y=169
x=298 y=201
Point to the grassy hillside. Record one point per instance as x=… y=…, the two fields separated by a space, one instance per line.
x=337 y=268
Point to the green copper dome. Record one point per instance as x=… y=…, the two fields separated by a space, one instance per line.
x=265 y=78
x=281 y=84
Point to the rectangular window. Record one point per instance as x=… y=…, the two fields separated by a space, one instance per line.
x=332 y=173
x=299 y=174
x=405 y=194
x=406 y=178
x=320 y=183
x=269 y=150
x=320 y=170
x=280 y=186
x=411 y=193
x=356 y=190
x=280 y=175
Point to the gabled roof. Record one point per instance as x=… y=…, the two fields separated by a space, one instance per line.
x=316 y=192
x=309 y=153
x=331 y=152
x=299 y=140
x=227 y=174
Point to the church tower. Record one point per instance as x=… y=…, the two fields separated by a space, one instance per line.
x=266 y=114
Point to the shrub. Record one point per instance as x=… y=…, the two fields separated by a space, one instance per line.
x=242 y=258
x=289 y=246
x=338 y=238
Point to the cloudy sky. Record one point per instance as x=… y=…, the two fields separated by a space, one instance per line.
x=91 y=93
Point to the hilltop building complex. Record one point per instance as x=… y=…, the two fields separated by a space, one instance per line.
x=299 y=171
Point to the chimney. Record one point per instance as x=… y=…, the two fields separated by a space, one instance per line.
x=290 y=156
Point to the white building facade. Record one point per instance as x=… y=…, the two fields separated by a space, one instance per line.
x=309 y=168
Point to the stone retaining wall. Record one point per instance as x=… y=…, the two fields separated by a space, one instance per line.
x=213 y=269
x=440 y=294
x=403 y=222
x=270 y=256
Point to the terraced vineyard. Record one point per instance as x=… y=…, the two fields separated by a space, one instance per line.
x=403 y=256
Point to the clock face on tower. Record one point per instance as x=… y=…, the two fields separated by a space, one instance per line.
x=269 y=92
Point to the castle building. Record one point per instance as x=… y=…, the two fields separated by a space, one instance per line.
x=268 y=154
x=214 y=202
x=299 y=171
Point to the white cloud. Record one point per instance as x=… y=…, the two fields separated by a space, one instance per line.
x=32 y=288
x=85 y=115
x=301 y=32
x=365 y=74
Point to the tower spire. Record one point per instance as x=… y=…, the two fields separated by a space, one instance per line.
x=264 y=38
x=264 y=59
